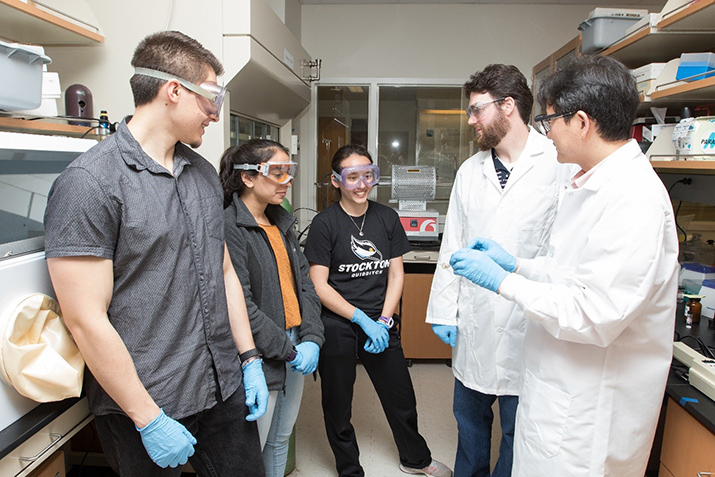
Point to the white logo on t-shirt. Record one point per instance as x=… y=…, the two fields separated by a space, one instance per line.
x=365 y=249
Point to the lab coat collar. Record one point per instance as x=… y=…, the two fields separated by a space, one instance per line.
x=533 y=148
x=611 y=165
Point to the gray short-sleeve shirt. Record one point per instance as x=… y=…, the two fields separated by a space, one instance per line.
x=165 y=236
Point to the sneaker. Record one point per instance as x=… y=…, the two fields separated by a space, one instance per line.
x=435 y=468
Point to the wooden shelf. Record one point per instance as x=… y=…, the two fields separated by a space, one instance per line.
x=700 y=90
x=27 y=23
x=696 y=16
x=650 y=45
x=45 y=127
x=699 y=167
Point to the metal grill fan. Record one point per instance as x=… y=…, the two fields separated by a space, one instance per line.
x=412 y=187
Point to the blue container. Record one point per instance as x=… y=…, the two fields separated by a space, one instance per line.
x=692 y=64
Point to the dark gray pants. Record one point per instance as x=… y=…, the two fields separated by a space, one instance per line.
x=388 y=372
x=226 y=445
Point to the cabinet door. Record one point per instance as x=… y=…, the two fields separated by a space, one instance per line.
x=418 y=340
x=687 y=444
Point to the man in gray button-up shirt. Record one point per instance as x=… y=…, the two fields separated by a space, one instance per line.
x=135 y=247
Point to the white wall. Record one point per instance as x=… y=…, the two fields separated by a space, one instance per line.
x=105 y=69
x=435 y=41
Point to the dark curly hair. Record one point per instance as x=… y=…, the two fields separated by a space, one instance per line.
x=503 y=81
x=254 y=151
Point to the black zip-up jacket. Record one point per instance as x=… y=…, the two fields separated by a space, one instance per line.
x=255 y=265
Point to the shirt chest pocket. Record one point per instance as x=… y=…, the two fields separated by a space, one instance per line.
x=212 y=212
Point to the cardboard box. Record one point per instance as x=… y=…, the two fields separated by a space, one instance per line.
x=54 y=466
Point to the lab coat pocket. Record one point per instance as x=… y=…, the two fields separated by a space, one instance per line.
x=543 y=413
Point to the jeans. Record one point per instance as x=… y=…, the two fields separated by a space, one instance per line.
x=226 y=444
x=388 y=372
x=276 y=425
x=473 y=412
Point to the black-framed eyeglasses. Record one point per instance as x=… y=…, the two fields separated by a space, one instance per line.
x=476 y=108
x=544 y=120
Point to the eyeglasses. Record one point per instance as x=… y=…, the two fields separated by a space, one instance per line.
x=211 y=93
x=544 y=120
x=351 y=177
x=476 y=108
x=278 y=172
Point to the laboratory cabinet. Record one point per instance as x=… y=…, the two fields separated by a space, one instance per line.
x=418 y=340
x=688 y=447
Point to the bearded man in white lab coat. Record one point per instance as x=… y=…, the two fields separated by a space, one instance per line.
x=507 y=191
x=601 y=304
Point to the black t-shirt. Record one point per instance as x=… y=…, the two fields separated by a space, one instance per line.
x=358 y=265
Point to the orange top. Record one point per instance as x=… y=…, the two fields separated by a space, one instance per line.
x=285 y=275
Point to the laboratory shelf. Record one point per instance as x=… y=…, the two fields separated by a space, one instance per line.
x=696 y=16
x=650 y=45
x=699 y=167
x=701 y=90
x=45 y=127
x=26 y=22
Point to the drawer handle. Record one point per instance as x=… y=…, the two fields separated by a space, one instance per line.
x=54 y=436
x=422 y=257
x=703 y=474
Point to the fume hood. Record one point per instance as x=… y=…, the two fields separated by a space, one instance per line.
x=264 y=63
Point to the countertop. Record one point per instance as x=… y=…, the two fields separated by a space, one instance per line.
x=700 y=406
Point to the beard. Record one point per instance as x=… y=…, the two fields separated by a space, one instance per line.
x=494 y=132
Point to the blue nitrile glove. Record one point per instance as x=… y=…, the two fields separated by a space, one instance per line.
x=495 y=251
x=256 y=390
x=377 y=333
x=310 y=352
x=168 y=442
x=447 y=333
x=373 y=347
x=477 y=267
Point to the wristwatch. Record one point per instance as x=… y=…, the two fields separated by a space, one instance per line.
x=387 y=321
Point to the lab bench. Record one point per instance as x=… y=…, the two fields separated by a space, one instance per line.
x=688 y=438
x=27 y=442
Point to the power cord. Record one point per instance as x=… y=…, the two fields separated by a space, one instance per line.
x=684 y=181
x=704 y=348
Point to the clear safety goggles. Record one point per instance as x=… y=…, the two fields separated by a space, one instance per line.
x=211 y=95
x=351 y=177
x=278 y=172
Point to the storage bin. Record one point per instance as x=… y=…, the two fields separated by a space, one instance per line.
x=21 y=75
x=692 y=64
x=606 y=26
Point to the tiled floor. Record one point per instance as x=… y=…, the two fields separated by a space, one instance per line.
x=433 y=384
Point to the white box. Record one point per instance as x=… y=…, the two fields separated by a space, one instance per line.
x=51 y=92
x=21 y=75
x=692 y=275
x=648 y=72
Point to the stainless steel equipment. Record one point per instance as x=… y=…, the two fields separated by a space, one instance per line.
x=412 y=187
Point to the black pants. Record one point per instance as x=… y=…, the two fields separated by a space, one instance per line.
x=226 y=444
x=388 y=372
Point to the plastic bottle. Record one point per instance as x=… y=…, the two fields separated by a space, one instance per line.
x=103 y=125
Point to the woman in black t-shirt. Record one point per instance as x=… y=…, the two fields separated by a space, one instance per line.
x=355 y=250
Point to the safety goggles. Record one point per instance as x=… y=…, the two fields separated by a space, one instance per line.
x=211 y=94
x=544 y=120
x=474 y=110
x=278 y=172
x=351 y=177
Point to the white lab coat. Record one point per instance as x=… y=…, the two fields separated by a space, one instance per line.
x=598 y=342
x=487 y=357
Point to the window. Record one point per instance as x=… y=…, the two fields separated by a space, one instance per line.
x=244 y=129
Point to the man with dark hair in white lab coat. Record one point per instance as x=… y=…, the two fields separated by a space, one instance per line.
x=601 y=304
